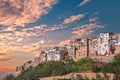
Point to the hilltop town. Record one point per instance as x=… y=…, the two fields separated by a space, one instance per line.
x=101 y=48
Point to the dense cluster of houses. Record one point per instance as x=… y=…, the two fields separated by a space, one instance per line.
x=103 y=45
x=53 y=54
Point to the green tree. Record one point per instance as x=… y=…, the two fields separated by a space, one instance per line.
x=9 y=77
x=99 y=77
x=79 y=77
x=106 y=77
x=85 y=63
x=116 y=62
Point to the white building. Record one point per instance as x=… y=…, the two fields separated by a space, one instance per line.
x=104 y=43
x=54 y=54
x=50 y=54
x=71 y=50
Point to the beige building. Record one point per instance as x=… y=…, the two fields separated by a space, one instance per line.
x=93 y=46
x=82 y=50
x=71 y=48
x=43 y=56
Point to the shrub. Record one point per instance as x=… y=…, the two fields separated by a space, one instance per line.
x=99 y=77
x=97 y=66
x=85 y=64
x=116 y=64
x=9 y=77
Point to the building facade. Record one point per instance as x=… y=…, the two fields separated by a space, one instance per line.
x=71 y=50
x=93 y=46
x=115 y=40
x=104 y=43
x=43 y=56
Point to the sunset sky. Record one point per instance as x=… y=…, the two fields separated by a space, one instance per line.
x=29 y=26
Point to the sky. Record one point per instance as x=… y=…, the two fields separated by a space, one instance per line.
x=30 y=26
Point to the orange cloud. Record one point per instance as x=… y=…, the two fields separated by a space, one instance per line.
x=33 y=48
x=85 y=30
x=11 y=36
x=84 y=2
x=73 y=18
x=65 y=42
x=21 y=12
x=2 y=53
x=4 y=57
x=7 y=68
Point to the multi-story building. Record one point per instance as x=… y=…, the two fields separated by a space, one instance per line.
x=85 y=45
x=93 y=46
x=79 y=49
x=43 y=56
x=115 y=41
x=82 y=48
x=54 y=54
x=104 y=43
x=71 y=50
x=116 y=38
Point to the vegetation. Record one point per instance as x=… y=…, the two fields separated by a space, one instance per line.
x=57 y=68
x=98 y=67
x=85 y=63
x=79 y=77
x=116 y=66
x=9 y=77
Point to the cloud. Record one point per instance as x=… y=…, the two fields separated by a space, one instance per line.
x=27 y=48
x=4 y=57
x=3 y=49
x=33 y=48
x=93 y=19
x=19 y=13
x=25 y=35
x=84 y=2
x=39 y=43
x=86 y=29
x=2 y=53
x=26 y=39
x=7 y=69
x=14 y=35
x=73 y=18
x=65 y=42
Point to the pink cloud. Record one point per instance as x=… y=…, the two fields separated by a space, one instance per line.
x=93 y=19
x=4 y=57
x=73 y=18
x=86 y=29
x=84 y=2
x=22 y=12
x=25 y=39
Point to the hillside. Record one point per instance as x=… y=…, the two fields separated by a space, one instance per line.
x=59 y=68
x=5 y=73
x=90 y=75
